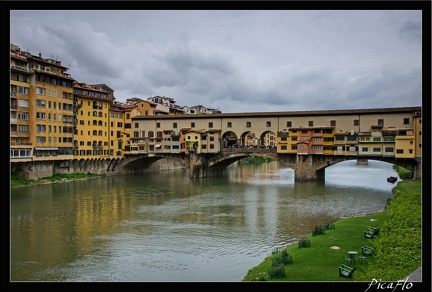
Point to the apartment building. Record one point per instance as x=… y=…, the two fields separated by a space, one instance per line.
x=42 y=112
x=92 y=136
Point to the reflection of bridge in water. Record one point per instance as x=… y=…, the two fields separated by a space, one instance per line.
x=306 y=167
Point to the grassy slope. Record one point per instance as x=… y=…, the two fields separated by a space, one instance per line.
x=320 y=263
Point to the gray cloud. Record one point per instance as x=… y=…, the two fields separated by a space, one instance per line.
x=237 y=61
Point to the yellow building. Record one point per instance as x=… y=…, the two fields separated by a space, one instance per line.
x=92 y=133
x=405 y=143
x=417 y=122
x=145 y=108
x=203 y=141
x=193 y=140
x=42 y=116
x=121 y=128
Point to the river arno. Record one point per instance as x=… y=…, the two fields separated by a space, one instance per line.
x=165 y=226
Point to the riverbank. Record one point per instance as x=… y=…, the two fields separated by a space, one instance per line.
x=16 y=181
x=398 y=245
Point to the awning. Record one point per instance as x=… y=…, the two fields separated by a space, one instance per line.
x=47 y=148
x=158 y=145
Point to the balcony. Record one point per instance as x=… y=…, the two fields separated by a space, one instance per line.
x=21 y=69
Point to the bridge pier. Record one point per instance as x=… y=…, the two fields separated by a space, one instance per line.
x=305 y=169
x=418 y=170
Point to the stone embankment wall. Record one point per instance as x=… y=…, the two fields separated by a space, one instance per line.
x=35 y=172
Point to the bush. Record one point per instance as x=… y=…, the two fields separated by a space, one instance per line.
x=304 y=242
x=318 y=230
x=277 y=271
x=286 y=258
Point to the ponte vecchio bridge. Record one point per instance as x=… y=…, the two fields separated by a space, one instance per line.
x=307 y=141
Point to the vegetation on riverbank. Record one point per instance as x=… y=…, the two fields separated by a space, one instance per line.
x=398 y=245
x=16 y=181
x=403 y=172
x=254 y=159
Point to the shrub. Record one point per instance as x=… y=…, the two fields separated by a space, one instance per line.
x=286 y=258
x=277 y=271
x=318 y=230
x=304 y=242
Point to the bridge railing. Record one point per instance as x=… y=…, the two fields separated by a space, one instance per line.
x=249 y=150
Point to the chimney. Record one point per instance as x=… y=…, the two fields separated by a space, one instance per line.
x=40 y=55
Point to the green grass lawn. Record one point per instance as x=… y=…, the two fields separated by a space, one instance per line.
x=398 y=245
x=320 y=262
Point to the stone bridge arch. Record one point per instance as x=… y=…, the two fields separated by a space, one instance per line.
x=312 y=167
x=142 y=163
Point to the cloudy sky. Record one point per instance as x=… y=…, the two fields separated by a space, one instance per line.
x=237 y=60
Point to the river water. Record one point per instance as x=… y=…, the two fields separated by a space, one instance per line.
x=168 y=227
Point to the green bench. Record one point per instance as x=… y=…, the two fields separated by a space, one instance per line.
x=368 y=250
x=370 y=232
x=346 y=271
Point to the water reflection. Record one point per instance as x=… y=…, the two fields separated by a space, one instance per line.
x=168 y=227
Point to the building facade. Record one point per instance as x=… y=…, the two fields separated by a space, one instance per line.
x=60 y=125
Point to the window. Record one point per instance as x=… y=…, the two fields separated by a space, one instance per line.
x=406 y=121
x=175 y=125
x=23 y=128
x=40 y=90
x=23 y=103
x=268 y=124
x=41 y=103
x=229 y=125
x=192 y=125
x=388 y=149
x=289 y=124
x=136 y=125
x=40 y=139
x=23 y=115
x=157 y=125
x=23 y=90
x=333 y=123
x=310 y=123
x=356 y=122
x=40 y=128
x=210 y=124
x=248 y=124
x=40 y=116
x=381 y=122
